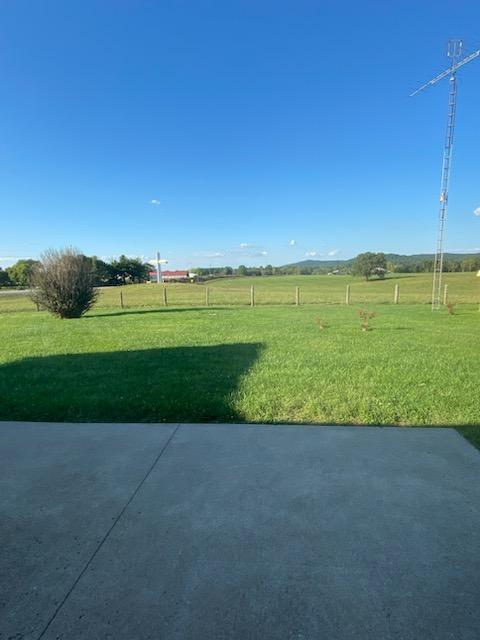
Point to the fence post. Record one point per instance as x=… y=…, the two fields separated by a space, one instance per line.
x=297 y=296
x=165 y=296
x=206 y=297
x=445 y=294
x=252 y=296
x=347 y=296
x=396 y=294
x=121 y=299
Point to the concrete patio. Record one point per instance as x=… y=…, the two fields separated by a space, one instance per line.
x=135 y=532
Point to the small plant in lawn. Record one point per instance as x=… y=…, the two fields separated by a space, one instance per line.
x=64 y=283
x=450 y=308
x=321 y=323
x=365 y=317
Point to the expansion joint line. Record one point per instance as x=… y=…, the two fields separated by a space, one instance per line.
x=106 y=536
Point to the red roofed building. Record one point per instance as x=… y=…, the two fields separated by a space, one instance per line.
x=173 y=276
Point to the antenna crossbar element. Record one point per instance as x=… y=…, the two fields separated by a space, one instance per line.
x=453 y=69
x=454 y=51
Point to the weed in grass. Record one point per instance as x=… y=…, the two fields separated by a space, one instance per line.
x=321 y=323
x=365 y=317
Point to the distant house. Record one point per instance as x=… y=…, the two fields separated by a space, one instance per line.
x=173 y=276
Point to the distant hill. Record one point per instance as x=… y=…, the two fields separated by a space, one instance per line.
x=326 y=264
x=396 y=258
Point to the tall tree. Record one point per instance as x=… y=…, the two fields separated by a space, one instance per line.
x=130 y=270
x=21 y=272
x=370 y=264
x=4 y=278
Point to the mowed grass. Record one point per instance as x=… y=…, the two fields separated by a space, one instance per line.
x=266 y=364
x=414 y=288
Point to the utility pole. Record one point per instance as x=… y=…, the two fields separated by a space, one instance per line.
x=159 y=270
x=454 y=51
x=159 y=262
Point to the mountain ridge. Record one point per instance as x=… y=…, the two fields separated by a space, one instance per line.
x=397 y=258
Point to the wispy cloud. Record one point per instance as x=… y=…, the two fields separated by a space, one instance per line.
x=209 y=254
x=246 y=245
x=477 y=212
x=311 y=254
x=7 y=261
x=333 y=252
x=155 y=201
x=292 y=243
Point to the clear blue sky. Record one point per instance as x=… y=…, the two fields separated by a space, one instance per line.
x=267 y=130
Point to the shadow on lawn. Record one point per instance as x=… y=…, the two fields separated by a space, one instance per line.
x=177 y=384
x=127 y=312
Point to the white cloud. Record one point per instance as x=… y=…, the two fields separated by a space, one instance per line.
x=311 y=254
x=292 y=243
x=251 y=254
x=246 y=245
x=477 y=212
x=154 y=201
x=333 y=252
x=209 y=254
x=7 y=261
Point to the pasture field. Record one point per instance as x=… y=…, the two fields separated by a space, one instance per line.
x=272 y=364
x=415 y=288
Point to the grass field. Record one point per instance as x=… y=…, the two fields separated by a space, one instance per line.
x=416 y=288
x=268 y=364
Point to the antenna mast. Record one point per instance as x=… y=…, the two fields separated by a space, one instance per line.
x=454 y=52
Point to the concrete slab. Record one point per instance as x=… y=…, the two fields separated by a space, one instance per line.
x=61 y=488
x=256 y=532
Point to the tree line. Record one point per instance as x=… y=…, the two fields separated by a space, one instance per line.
x=124 y=270
x=382 y=265
x=127 y=270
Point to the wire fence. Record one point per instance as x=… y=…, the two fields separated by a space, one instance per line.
x=277 y=293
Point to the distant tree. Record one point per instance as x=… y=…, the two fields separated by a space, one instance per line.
x=64 y=283
x=242 y=270
x=471 y=264
x=228 y=271
x=370 y=264
x=426 y=266
x=21 y=272
x=452 y=266
x=268 y=270
x=103 y=272
x=130 y=270
x=4 y=278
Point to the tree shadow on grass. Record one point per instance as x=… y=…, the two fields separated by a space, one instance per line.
x=178 y=384
x=127 y=312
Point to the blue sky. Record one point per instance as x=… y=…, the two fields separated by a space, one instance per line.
x=233 y=132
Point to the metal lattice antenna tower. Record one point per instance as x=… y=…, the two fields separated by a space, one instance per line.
x=454 y=51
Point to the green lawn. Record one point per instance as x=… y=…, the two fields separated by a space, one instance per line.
x=267 y=364
x=415 y=288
